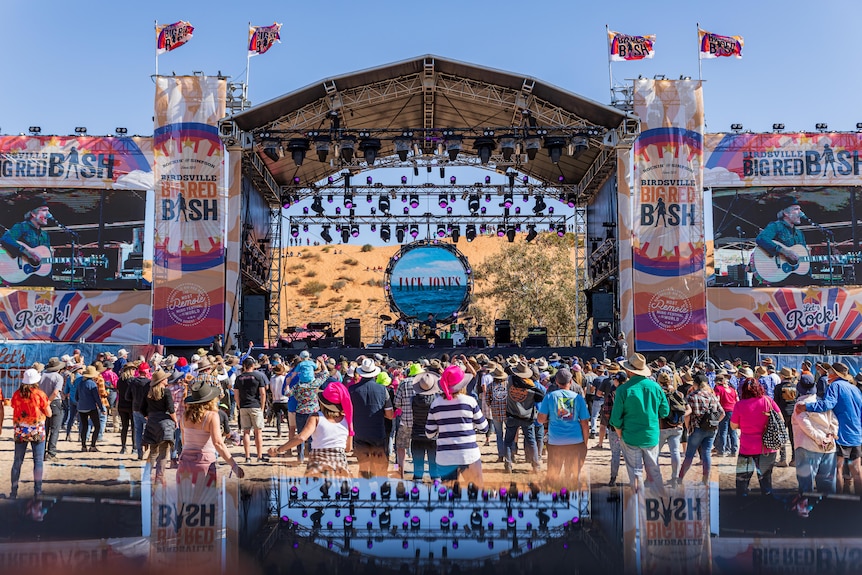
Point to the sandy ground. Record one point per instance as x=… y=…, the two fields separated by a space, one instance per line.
x=108 y=473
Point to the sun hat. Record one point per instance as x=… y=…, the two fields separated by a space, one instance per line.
x=435 y=365
x=122 y=353
x=100 y=367
x=368 y=369
x=31 y=377
x=175 y=376
x=39 y=367
x=499 y=373
x=542 y=364
x=204 y=363
x=195 y=357
x=554 y=357
x=90 y=372
x=426 y=383
x=415 y=369
x=453 y=379
x=522 y=370
x=336 y=397
x=202 y=352
x=169 y=362
x=614 y=367
x=54 y=365
x=746 y=372
x=202 y=392
x=278 y=369
x=383 y=379
x=785 y=373
x=158 y=377
x=841 y=370
x=637 y=365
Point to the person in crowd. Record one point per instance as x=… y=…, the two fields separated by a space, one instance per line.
x=706 y=414
x=426 y=388
x=785 y=397
x=70 y=393
x=671 y=427
x=51 y=384
x=613 y=436
x=310 y=377
x=329 y=431
x=124 y=406
x=136 y=393
x=726 y=440
x=161 y=424
x=250 y=394
x=202 y=436
x=403 y=403
x=280 y=397
x=454 y=418
x=120 y=363
x=371 y=405
x=177 y=387
x=30 y=409
x=638 y=406
x=750 y=417
x=845 y=400
x=103 y=396
x=598 y=383
x=522 y=398
x=496 y=394
x=90 y=407
x=111 y=378
x=814 y=438
x=565 y=412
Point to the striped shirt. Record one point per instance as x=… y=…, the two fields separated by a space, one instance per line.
x=454 y=423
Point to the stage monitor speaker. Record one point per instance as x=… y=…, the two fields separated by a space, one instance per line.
x=352 y=333
x=444 y=343
x=299 y=344
x=330 y=342
x=738 y=275
x=418 y=342
x=502 y=331
x=477 y=342
x=253 y=331
x=254 y=307
x=603 y=306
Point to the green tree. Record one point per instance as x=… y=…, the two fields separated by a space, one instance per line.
x=531 y=284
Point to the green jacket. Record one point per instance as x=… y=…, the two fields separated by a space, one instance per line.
x=639 y=403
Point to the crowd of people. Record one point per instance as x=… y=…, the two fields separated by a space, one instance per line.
x=186 y=413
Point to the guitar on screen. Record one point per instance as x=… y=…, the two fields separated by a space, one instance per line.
x=17 y=269
x=776 y=268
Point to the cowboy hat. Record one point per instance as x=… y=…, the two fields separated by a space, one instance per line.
x=202 y=392
x=100 y=367
x=39 y=367
x=231 y=360
x=176 y=375
x=122 y=353
x=746 y=372
x=158 y=377
x=278 y=369
x=31 y=377
x=54 y=365
x=498 y=372
x=541 y=364
x=606 y=362
x=522 y=370
x=554 y=357
x=841 y=370
x=426 y=383
x=170 y=361
x=435 y=365
x=785 y=373
x=637 y=365
x=204 y=363
x=90 y=372
x=368 y=369
x=614 y=367
x=202 y=352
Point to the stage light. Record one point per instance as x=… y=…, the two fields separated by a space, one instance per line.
x=414 y=201
x=405 y=544
x=403 y=143
x=507 y=200
x=34 y=129
x=321 y=146
x=373 y=226
x=511 y=176
x=121 y=131
x=385 y=519
x=399 y=236
x=483 y=210
x=859 y=126
x=354 y=230
x=487 y=180
x=443 y=200
x=544 y=518
x=555 y=147
x=294 y=230
x=736 y=127
x=338 y=211
x=507 y=146
x=441 y=231
x=518 y=210
x=305 y=227
x=470 y=232
x=330 y=180
x=571 y=200
x=510 y=234
x=452 y=142
x=501 y=230
x=347 y=145
x=383 y=204
x=403 y=198
x=456 y=233
x=348 y=201
x=328 y=239
x=578 y=145
x=345 y=234
x=561 y=230
x=298 y=147
x=385 y=233
x=777 y=127
x=484 y=147
x=476 y=520
x=403 y=180
x=473 y=203
x=81 y=130
x=414 y=231
x=406 y=210
x=270 y=150
x=532 y=145
x=444 y=523
x=348 y=522
x=305 y=210
x=531 y=233
x=294 y=493
x=821 y=126
x=487 y=197
x=526 y=197
x=442 y=171
x=472 y=492
x=369 y=148
x=482 y=228
x=540 y=205
x=550 y=209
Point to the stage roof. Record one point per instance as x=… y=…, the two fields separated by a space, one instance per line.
x=430 y=92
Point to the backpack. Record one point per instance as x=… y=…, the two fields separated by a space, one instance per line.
x=788 y=393
x=710 y=420
x=677 y=408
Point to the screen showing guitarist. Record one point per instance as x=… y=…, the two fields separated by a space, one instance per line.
x=779 y=237
x=27 y=239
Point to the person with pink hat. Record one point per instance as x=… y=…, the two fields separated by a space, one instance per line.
x=453 y=420
x=331 y=434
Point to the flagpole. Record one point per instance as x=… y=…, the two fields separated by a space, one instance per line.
x=699 y=56
x=610 y=72
x=247 y=65
x=156 y=24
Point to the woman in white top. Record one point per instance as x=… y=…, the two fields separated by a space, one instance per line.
x=331 y=434
x=814 y=437
x=279 y=399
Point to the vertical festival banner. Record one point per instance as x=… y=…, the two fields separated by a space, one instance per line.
x=624 y=241
x=189 y=255
x=667 y=213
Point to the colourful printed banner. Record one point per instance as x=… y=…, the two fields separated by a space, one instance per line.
x=780 y=555
x=785 y=314
x=668 y=220
x=776 y=159
x=76 y=162
x=115 y=555
x=93 y=316
x=624 y=48
x=172 y=36
x=715 y=46
x=189 y=258
x=261 y=38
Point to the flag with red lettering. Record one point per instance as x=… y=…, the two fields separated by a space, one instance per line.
x=172 y=36
x=624 y=48
x=261 y=38
x=716 y=46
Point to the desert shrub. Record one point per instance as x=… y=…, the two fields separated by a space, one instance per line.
x=294 y=282
x=351 y=262
x=311 y=274
x=296 y=267
x=367 y=248
x=347 y=279
x=338 y=285
x=312 y=288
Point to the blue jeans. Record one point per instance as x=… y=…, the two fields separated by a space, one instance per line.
x=422 y=448
x=72 y=417
x=501 y=437
x=699 y=441
x=616 y=451
x=301 y=420
x=178 y=444
x=726 y=440
x=513 y=424
x=595 y=411
x=746 y=465
x=813 y=467
x=138 y=423
x=640 y=461
x=38 y=464
x=103 y=422
x=672 y=437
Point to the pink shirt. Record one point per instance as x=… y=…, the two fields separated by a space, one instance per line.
x=726 y=397
x=751 y=415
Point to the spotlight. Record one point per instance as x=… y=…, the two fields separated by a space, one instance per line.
x=347 y=145
x=121 y=131
x=476 y=520
x=487 y=180
x=414 y=231
x=383 y=204
x=81 y=130
x=578 y=145
x=386 y=489
x=452 y=143
x=403 y=144
x=385 y=519
x=777 y=127
x=540 y=205
x=532 y=146
x=327 y=238
x=298 y=147
x=345 y=234
x=442 y=171
x=34 y=129
x=473 y=203
x=305 y=227
x=414 y=201
x=399 y=236
x=501 y=229
x=348 y=201
x=369 y=148
x=443 y=200
x=531 y=233
x=555 y=147
x=354 y=230
x=321 y=146
x=484 y=147
x=406 y=210
x=510 y=234
x=385 y=233
x=859 y=126
x=487 y=197
x=821 y=126
x=270 y=150
x=470 y=232
x=507 y=146
x=453 y=180
x=561 y=230
x=441 y=231
x=403 y=180
x=571 y=200
x=294 y=493
x=294 y=230
x=736 y=127
x=507 y=200
x=456 y=233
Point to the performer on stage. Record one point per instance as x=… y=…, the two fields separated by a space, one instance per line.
x=23 y=238
x=783 y=230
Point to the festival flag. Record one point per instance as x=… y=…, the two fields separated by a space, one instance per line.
x=172 y=36
x=715 y=46
x=624 y=48
x=261 y=38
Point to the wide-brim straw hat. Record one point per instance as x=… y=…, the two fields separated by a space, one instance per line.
x=368 y=369
x=522 y=370
x=498 y=372
x=54 y=365
x=637 y=365
x=90 y=372
x=201 y=392
x=426 y=383
x=158 y=377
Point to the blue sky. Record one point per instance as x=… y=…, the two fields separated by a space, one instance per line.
x=70 y=64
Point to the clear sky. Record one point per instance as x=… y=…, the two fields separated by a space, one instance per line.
x=68 y=64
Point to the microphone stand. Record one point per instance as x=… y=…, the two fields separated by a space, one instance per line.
x=74 y=235
x=743 y=281
x=829 y=239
